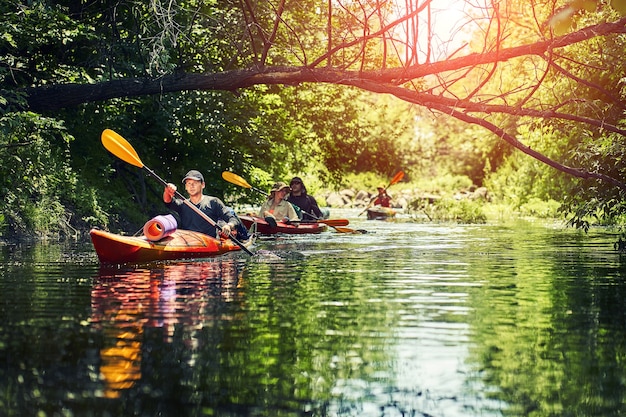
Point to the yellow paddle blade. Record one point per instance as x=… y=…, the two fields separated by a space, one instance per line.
x=120 y=147
x=235 y=179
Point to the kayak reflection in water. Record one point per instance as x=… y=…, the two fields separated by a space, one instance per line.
x=178 y=299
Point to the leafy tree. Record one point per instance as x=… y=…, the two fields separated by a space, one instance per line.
x=38 y=182
x=134 y=66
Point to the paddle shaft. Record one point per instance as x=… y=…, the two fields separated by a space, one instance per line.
x=370 y=203
x=329 y=222
x=259 y=191
x=197 y=210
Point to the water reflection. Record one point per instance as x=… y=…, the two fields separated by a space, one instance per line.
x=409 y=319
x=179 y=297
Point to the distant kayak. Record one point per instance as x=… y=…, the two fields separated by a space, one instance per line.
x=295 y=228
x=380 y=213
x=112 y=248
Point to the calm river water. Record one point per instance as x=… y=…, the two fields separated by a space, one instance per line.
x=407 y=320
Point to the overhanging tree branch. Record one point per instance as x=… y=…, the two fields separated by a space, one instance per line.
x=452 y=109
x=55 y=97
x=576 y=172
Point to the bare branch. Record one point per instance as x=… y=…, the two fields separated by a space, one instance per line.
x=367 y=36
x=537 y=48
x=269 y=42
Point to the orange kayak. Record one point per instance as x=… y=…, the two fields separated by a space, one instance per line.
x=112 y=248
x=297 y=228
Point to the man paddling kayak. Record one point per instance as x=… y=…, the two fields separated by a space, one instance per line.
x=382 y=199
x=211 y=206
x=307 y=203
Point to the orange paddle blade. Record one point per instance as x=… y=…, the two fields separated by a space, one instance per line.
x=344 y=229
x=334 y=222
x=120 y=147
x=396 y=178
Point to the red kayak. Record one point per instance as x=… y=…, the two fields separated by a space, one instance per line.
x=295 y=228
x=114 y=249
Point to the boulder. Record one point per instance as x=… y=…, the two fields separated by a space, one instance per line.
x=347 y=193
x=481 y=193
x=335 y=199
x=401 y=203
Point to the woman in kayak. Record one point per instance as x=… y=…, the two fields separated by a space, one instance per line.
x=276 y=208
x=211 y=206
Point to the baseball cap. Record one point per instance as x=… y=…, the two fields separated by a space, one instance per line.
x=193 y=175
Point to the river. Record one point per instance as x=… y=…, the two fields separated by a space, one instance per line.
x=409 y=319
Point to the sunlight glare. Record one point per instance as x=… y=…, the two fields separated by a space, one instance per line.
x=451 y=21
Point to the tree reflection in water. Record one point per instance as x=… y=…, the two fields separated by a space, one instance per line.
x=126 y=302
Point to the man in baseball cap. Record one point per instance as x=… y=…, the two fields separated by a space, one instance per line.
x=211 y=206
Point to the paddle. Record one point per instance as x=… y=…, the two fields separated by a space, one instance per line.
x=237 y=180
x=334 y=223
x=396 y=178
x=120 y=147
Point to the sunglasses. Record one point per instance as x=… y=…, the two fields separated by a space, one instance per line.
x=295 y=182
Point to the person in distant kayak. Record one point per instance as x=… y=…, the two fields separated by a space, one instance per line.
x=211 y=206
x=382 y=199
x=276 y=208
x=308 y=205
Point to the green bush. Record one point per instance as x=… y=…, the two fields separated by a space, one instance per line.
x=459 y=211
x=536 y=207
x=41 y=191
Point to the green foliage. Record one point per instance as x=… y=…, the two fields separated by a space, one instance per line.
x=43 y=44
x=446 y=146
x=36 y=179
x=565 y=17
x=451 y=210
x=446 y=184
x=538 y=208
x=324 y=131
x=592 y=201
x=267 y=133
x=520 y=179
x=353 y=131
